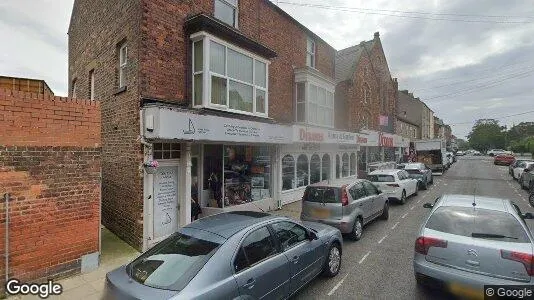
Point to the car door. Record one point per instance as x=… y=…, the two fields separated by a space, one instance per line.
x=412 y=181
x=520 y=166
x=410 y=185
x=262 y=271
x=377 y=199
x=361 y=201
x=304 y=255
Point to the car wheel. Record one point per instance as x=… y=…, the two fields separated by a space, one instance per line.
x=531 y=198
x=385 y=212
x=403 y=197
x=357 y=230
x=333 y=261
x=425 y=185
x=416 y=190
x=431 y=179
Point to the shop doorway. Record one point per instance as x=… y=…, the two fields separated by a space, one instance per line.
x=165 y=202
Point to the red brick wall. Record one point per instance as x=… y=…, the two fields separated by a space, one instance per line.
x=165 y=64
x=373 y=70
x=97 y=28
x=50 y=164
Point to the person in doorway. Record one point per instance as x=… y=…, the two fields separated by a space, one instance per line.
x=196 y=210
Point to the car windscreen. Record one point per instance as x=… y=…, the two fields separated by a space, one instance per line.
x=381 y=178
x=172 y=263
x=321 y=194
x=478 y=223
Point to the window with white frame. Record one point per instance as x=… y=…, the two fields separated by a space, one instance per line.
x=92 y=84
x=310 y=53
x=364 y=121
x=228 y=78
x=123 y=61
x=226 y=11
x=315 y=105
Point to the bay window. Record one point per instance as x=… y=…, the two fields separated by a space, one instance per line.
x=228 y=78
x=314 y=104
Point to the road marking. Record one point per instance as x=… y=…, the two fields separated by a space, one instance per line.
x=382 y=239
x=411 y=208
x=395 y=225
x=404 y=216
x=332 y=291
x=419 y=201
x=364 y=257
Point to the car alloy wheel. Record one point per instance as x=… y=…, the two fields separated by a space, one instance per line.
x=333 y=261
x=357 y=230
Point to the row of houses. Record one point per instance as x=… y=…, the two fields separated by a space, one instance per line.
x=240 y=105
x=233 y=103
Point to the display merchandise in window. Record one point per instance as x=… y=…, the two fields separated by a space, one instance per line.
x=389 y=154
x=247 y=174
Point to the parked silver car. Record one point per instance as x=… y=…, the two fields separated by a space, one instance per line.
x=470 y=241
x=346 y=207
x=235 y=255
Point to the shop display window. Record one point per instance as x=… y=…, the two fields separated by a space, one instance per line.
x=247 y=174
x=315 y=169
x=325 y=175
x=288 y=173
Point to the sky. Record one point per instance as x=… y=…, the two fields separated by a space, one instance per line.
x=465 y=59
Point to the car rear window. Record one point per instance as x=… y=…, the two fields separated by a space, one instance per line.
x=321 y=194
x=172 y=263
x=412 y=171
x=471 y=222
x=381 y=178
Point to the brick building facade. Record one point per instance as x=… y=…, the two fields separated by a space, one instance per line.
x=205 y=93
x=50 y=167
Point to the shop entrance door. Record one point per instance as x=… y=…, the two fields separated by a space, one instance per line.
x=165 y=203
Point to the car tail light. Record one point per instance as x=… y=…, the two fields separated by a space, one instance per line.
x=392 y=184
x=305 y=196
x=526 y=259
x=423 y=243
x=344 y=196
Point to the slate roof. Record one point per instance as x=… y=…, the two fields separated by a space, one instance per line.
x=347 y=60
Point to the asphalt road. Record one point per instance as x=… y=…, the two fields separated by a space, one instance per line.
x=379 y=266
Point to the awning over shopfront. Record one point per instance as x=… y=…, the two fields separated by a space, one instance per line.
x=166 y=123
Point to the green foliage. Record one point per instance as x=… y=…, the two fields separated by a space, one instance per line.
x=487 y=134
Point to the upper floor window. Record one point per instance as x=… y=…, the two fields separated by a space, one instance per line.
x=228 y=78
x=315 y=104
x=92 y=84
x=366 y=93
x=310 y=53
x=73 y=88
x=226 y=11
x=123 y=61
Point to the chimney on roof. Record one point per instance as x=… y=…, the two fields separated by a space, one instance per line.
x=377 y=35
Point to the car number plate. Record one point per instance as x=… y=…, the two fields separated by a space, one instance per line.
x=465 y=291
x=320 y=213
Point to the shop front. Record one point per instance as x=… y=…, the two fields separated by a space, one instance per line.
x=316 y=155
x=378 y=147
x=221 y=163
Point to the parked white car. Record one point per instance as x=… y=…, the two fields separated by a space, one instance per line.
x=396 y=184
x=520 y=168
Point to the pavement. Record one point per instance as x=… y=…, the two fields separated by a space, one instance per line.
x=90 y=286
x=379 y=266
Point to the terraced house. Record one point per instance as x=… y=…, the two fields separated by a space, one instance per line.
x=232 y=103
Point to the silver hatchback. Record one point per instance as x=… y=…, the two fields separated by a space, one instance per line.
x=347 y=207
x=471 y=241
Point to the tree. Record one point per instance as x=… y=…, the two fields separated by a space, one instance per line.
x=462 y=144
x=487 y=134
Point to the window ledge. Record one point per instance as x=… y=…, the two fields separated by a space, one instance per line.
x=120 y=90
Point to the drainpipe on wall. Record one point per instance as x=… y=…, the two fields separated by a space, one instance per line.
x=6 y=198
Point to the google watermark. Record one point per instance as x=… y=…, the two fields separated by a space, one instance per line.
x=43 y=290
x=508 y=292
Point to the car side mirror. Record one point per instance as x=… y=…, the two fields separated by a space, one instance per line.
x=428 y=205
x=312 y=235
x=527 y=216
